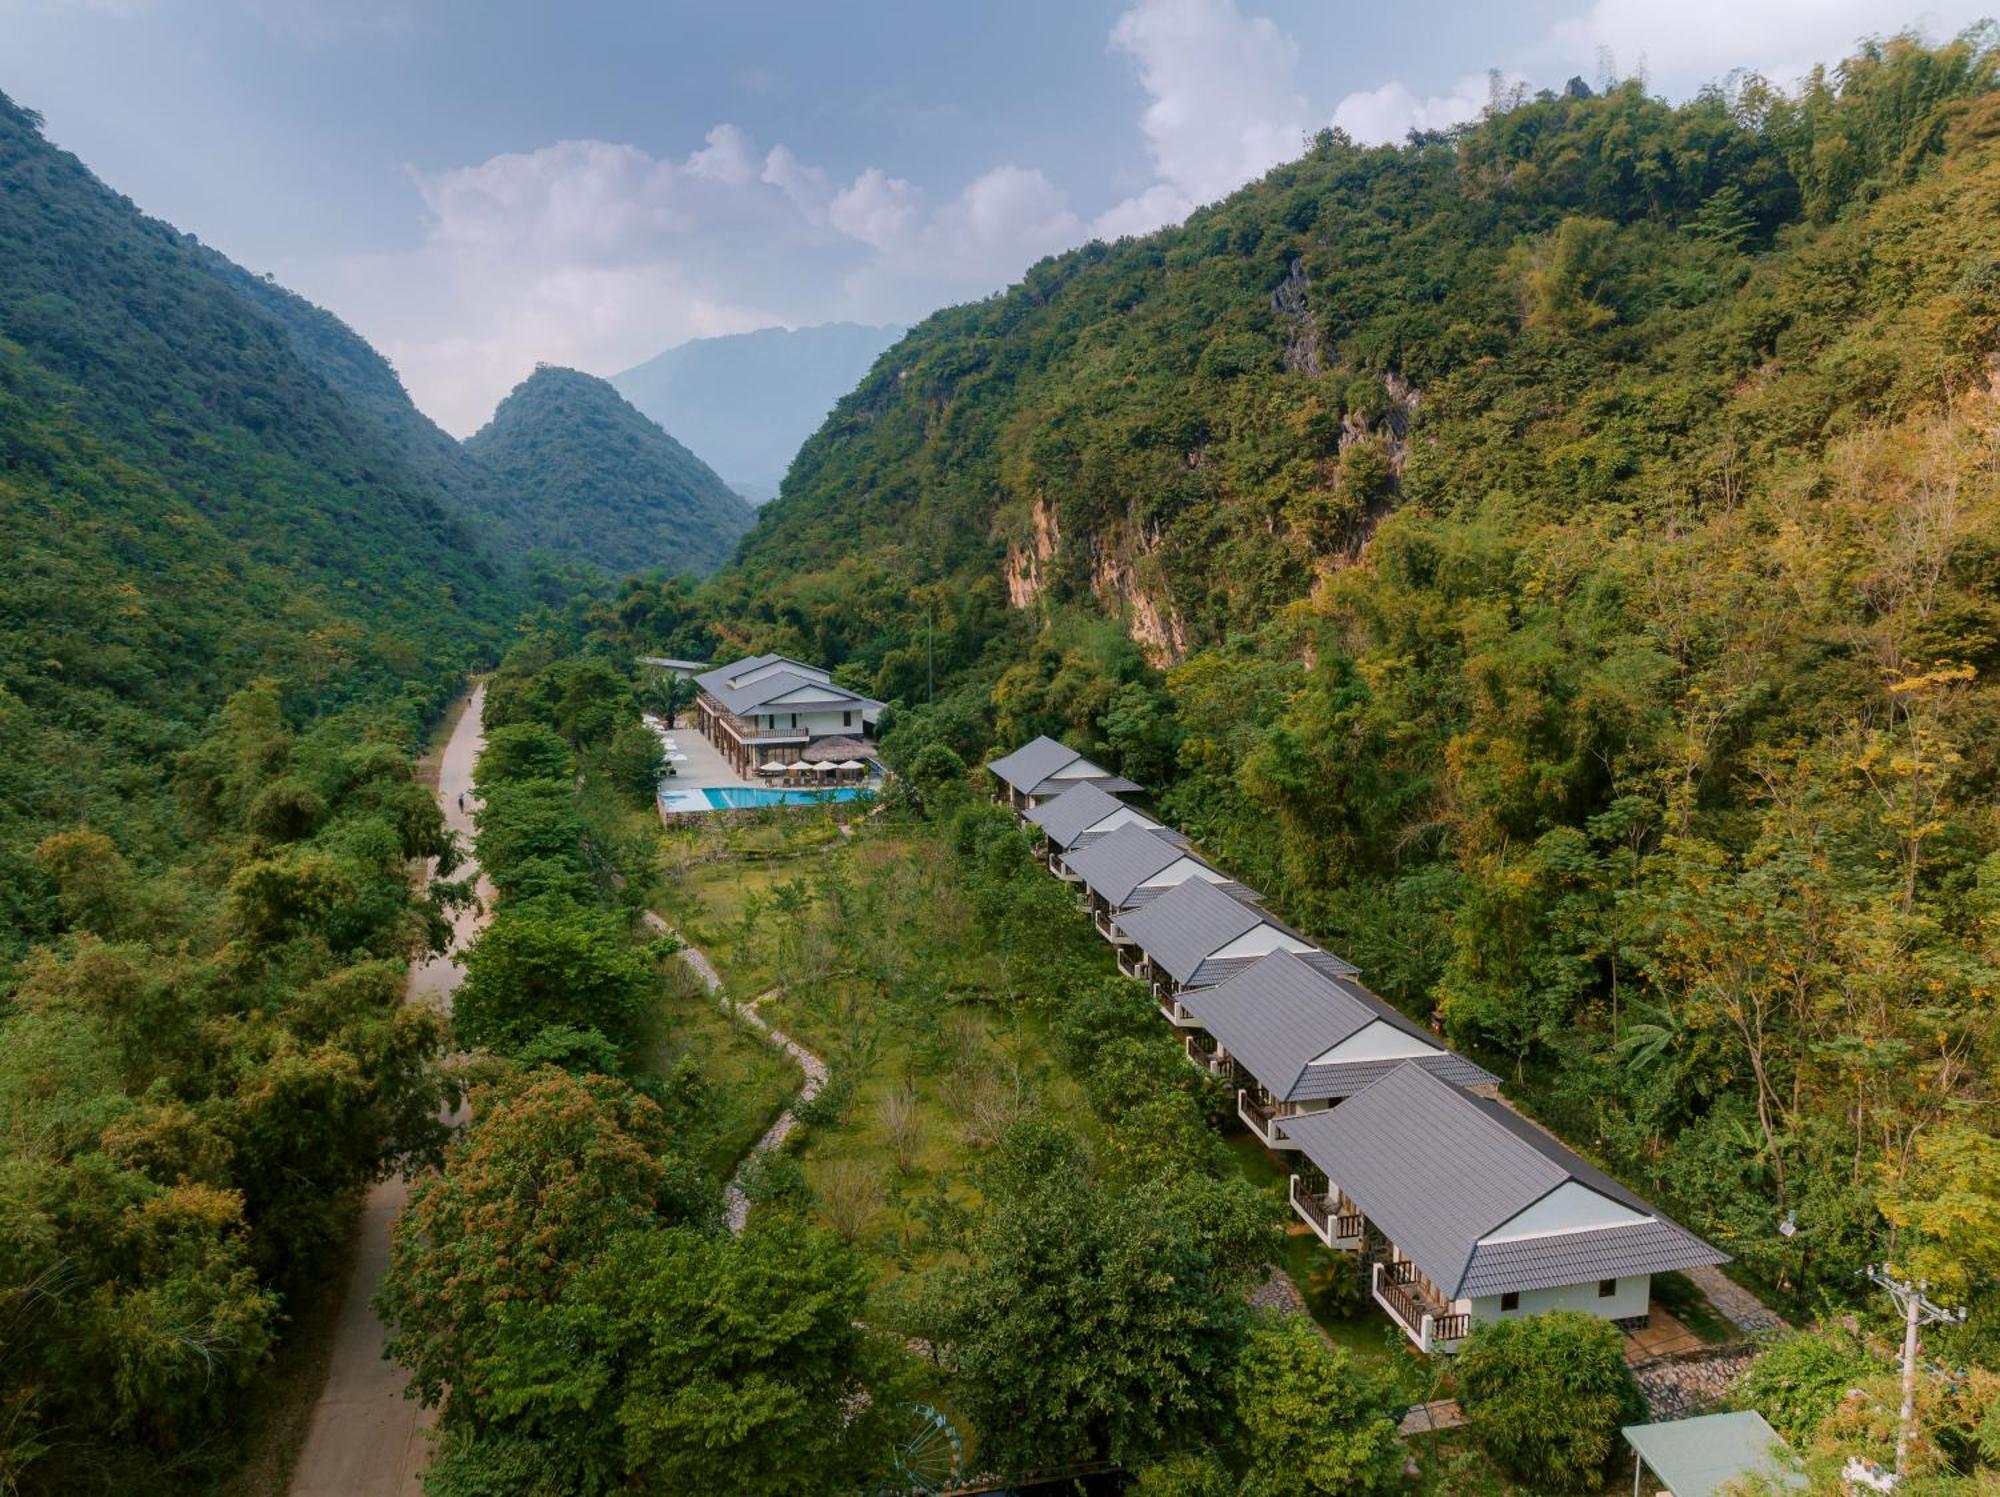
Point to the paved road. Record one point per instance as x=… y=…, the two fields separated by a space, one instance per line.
x=366 y=1439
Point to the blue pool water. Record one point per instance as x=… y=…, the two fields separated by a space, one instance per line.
x=733 y=798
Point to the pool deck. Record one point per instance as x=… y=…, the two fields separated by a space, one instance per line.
x=705 y=765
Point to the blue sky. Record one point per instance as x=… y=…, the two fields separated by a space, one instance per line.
x=478 y=186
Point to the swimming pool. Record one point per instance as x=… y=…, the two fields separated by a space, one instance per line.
x=745 y=798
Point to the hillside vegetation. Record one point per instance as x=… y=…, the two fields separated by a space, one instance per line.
x=1560 y=560
x=229 y=611
x=583 y=475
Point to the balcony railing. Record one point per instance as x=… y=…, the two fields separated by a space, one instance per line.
x=1329 y=1213
x=1204 y=1053
x=1176 y=1011
x=1131 y=963
x=1430 y=1324
x=1108 y=928
x=1265 y=1119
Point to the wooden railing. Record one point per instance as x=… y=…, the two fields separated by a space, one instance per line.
x=1448 y=1327
x=1404 y=1304
x=1202 y=1049
x=1313 y=1205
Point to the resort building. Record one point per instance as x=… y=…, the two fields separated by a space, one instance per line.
x=1084 y=814
x=1195 y=936
x=768 y=713
x=1467 y=1212
x=1135 y=865
x=1043 y=769
x=1296 y=1042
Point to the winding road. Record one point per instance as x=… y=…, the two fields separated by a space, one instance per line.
x=366 y=1439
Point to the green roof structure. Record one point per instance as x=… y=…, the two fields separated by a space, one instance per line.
x=1699 y=1456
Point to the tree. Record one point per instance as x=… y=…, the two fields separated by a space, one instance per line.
x=549 y=960
x=1313 y=1421
x=523 y=751
x=682 y=1361
x=1546 y=1394
x=552 y=1168
x=1796 y=1382
x=1089 y=1324
x=634 y=761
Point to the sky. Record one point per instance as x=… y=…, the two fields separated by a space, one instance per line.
x=480 y=185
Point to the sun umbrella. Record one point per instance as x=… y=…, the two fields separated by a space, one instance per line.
x=850 y=764
x=772 y=766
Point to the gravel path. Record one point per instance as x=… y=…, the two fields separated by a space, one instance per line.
x=366 y=1439
x=736 y=1205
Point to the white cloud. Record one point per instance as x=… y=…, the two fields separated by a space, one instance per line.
x=598 y=254
x=1385 y=115
x=877 y=209
x=1224 y=105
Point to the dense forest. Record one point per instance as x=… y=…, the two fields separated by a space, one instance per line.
x=1557 y=560
x=229 y=613
x=585 y=476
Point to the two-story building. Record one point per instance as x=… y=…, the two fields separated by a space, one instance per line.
x=1469 y=1213
x=1083 y=814
x=1297 y=1042
x=1042 y=769
x=1195 y=936
x=1134 y=866
x=771 y=710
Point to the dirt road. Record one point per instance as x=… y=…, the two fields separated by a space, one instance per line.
x=366 y=1439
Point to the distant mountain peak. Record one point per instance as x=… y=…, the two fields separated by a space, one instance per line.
x=577 y=471
x=748 y=401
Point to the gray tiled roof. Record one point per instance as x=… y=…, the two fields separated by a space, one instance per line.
x=1436 y=1169
x=750 y=697
x=1043 y=767
x=1277 y=1015
x=1116 y=867
x=1070 y=815
x=1183 y=929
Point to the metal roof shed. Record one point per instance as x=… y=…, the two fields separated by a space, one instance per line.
x=1704 y=1455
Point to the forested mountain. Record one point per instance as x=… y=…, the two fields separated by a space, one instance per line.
x=1560 y=561
x=187 y=506
x=229 y=608
x=579 y=473
x=746 y=401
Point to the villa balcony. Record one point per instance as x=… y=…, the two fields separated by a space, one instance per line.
x=1334 y=1219
x=1175 y=1011
x=1132 y=962
x=1264 y=1119
x=1431 y=1324
x=1107 y=927
x=729 y=723
x=1204 y=1054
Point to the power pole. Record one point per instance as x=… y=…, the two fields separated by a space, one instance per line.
x=930 y=689
x=1918 y=1310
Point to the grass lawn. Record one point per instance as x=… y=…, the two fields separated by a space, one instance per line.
x=748 y=1081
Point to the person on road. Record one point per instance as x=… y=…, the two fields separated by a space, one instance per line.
x=461 y=800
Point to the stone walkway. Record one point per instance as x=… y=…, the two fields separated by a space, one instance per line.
x=1738 y=1305
x=736 y=1205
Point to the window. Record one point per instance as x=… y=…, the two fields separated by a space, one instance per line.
x=847 y=719
x=1511 y=1300
x=1606 y=1288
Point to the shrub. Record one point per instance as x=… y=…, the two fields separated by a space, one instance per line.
x=1545 y=1396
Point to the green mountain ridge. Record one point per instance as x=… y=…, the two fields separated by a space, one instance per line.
x=1556 y=560
x=188 y=505
x=579 y=473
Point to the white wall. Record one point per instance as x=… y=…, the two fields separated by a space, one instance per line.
x=819 y=722
x=1630 y=1300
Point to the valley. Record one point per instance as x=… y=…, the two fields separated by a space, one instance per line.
x=1345 y=846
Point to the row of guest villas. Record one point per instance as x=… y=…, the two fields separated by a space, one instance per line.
x=766 y=712
x=1463 y=1211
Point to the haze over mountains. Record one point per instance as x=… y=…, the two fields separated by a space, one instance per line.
x=747 y=401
